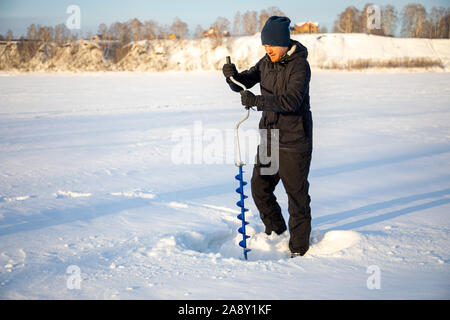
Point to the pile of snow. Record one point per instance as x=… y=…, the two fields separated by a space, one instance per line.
x=80 y=56
x=326 y=51
x=350 y=51
x=77 y=56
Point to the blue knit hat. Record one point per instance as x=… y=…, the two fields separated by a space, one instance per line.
x=276 y=32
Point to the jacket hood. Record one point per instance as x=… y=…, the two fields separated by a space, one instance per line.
x=300 y=49
x=296 y=50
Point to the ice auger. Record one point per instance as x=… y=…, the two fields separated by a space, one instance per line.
x=240 y=176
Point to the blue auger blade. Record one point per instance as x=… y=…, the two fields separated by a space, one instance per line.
x=241 y=230
x=242 y=244
x=240 y=190
x=239 y=177
x=240 y=203
x=241 y=216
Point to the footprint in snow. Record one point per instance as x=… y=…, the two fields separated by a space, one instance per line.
x=332 y=241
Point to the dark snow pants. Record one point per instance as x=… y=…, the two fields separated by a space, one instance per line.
x=293 y=172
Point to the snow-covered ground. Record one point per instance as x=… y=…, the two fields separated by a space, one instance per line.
x=121 y=186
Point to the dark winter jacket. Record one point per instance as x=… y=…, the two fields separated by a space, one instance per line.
x=285 y=96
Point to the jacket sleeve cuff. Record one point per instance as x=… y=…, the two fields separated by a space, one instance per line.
x=259 y=103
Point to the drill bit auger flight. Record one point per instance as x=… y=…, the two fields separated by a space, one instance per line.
x=240 y=177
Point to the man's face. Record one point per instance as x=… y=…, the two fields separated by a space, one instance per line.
x=275 y=53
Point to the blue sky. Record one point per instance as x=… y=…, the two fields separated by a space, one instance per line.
x=18 y=14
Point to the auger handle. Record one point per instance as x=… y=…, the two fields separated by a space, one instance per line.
x=239 y=162
x=232 y=79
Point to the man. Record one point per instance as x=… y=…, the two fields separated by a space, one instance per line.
x=284 y=75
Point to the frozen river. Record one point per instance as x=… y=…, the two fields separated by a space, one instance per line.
x=125 y=183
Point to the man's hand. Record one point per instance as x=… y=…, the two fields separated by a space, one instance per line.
x=248 y=99
x=229 y=70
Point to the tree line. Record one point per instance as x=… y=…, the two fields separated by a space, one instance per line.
x=246 y=23
x=414 y=20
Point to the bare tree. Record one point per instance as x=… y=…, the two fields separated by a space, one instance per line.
x=198 y=34
x=444 y=29
x=163 y=32
x=437 y=20
x=121 y=32
x=44 y=33
x=62 y=33
x=254 y=21
x=250 y=22
x=221 y=25
x=179 y=28
x=348 y=21
x=322 y=29
x=246 y=23
x=74 y=36
x=136 y=29
x=389 y=19
x=106 y=35
x=237 y=24
x=364 y=18
x=265 y=14
x=275 y=11
x=150 y=29
x=413 y=20
x=9 y=35
x=263 y=17
x=32 y=32
x=103 y=30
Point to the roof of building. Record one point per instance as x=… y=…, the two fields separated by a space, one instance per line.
x=304 y=22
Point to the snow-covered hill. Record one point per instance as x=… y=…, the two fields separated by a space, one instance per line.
x=326 y=51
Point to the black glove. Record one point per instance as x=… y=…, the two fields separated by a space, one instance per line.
x=229 y=70
x=248 y=99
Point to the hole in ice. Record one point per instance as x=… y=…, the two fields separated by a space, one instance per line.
x=226 y=243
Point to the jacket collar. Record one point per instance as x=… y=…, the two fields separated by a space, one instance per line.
x=290 y=51
x=292 y=48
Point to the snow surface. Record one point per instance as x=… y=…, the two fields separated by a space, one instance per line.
x=88 y=179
